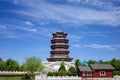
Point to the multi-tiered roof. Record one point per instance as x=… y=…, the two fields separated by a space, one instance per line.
x=59 y=47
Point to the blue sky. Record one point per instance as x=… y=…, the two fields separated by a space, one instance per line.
x=93 y=28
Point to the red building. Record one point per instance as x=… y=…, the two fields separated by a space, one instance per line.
x=96 y=71
x=59 y=47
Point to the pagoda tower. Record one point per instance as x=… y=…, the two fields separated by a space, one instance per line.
x=59 y=47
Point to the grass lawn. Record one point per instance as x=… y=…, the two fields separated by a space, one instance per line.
x=11 y=78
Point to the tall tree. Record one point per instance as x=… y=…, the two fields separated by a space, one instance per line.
x=77 y=64
x=33 y=64
x=11 y=65
x=62 y=71
x=115 y=63
x=62 y=66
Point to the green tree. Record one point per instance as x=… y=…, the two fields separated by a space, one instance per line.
x=11 y=65
x=1 y=60
x=91 y=62
x=77 y=64
x=2 y=65
x=62 y=66
x=115 y=63
x=101 y=62
x=33 y=64
x=62 y=71
x=72 y=70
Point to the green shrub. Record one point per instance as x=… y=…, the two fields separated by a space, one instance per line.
x=52 y=74
x=62 y=73
x=26 y=76
x=116 y=72
x=72 y=74
x=72 y=69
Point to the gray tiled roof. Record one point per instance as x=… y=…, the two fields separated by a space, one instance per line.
x=101 y=66
x=85 y=68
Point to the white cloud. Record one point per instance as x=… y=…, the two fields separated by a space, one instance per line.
x=74 y=38
x=28 y=23
x=22 y=28
x=76 y=1
x=99 y=46
x=11 y=31
x=71 y=14
x=28 y=29
x=97 y=3
x=93 y=34
x=2 y=27
x=77 y=45
x=15 y=1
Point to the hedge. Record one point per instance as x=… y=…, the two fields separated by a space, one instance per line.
x=62 y=73
x=116 y=72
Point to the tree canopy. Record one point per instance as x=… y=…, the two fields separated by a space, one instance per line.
x=91 y=62
x=77 y=64
x=2 y=65
x=62 y=66
x=72 y=69
x=12 y=65
x=33 y=64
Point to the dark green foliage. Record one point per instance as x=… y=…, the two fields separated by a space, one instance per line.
x=77 y=64
x=26 y=77
x=115 y=63
x=72 y=70
x=62 y=73
x=62 y=66
x=2 y=65
x=52 y=74
x=1 y=60
x=72 y=73
x=116 y=72
x=91 y=62
x=11 y=65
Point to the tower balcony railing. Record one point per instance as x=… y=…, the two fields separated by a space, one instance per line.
x=59 y=57
x=60 y=50
x=58 y=38
x=60 y=44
